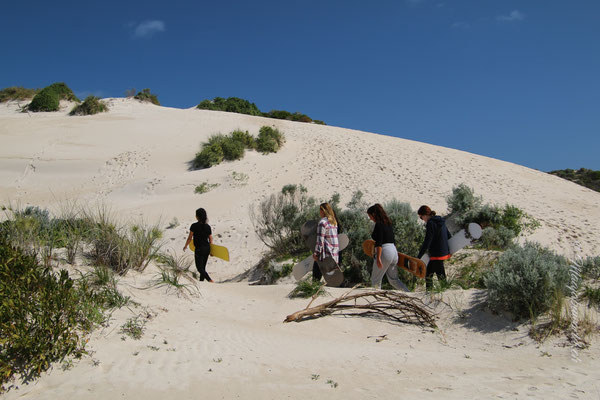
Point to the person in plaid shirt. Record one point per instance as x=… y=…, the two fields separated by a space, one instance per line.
x=327 y=235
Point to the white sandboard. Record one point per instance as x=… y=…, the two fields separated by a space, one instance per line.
x=304 y=266
x=460 y=240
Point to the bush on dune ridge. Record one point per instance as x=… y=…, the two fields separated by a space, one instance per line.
x=146 y=96
x=48 y=99
x=583 y=176
x=90 y=106
x=17 y=93
x=241 y=106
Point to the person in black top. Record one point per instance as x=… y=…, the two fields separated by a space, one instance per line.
x=201 y=233
x=385 y=258
x=435 y=244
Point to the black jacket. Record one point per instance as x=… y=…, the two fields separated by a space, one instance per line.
x=436 y=238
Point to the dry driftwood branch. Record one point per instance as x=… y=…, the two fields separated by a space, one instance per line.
x=389 y=305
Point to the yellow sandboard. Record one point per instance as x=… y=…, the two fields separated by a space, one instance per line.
x=215 y=251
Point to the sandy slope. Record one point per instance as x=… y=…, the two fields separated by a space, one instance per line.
x=230 y=342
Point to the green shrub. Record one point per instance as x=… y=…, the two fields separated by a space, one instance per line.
x=146 y=96
x=44 y=316
x=408 y=231
x=231 y=104
x=90 y=106
x=463 y=200
x=497 y=238
x=208 y=157
x=590 y=268
x=592 y=295
x=583 y=176
x=17 y=93
x=45 y=100
x=278 y=114
x=241 y=106
x=63 y=91
x=277 y=219
x=232 y=149
x=244 y=137
x=525 y=280
x=48 y=99
x=465 y=208
x=269 y=140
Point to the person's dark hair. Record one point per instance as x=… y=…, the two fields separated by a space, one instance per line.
x=425 y=210
x=201 y=215
x=379 y=214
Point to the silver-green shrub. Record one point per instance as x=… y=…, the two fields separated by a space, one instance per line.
x=526 y=280
x=497 y=238
x=278 y=218
x=591 y=268
x=409 y=232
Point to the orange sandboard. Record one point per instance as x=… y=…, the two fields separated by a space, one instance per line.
x=413 y=265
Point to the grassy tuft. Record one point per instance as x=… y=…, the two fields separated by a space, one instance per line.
x=306 y=289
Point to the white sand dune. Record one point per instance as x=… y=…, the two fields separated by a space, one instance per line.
x=230 y=342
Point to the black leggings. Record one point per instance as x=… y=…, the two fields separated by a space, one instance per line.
x=434 y=267
x=201 y=257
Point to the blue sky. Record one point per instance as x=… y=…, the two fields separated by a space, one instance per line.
x=513 y=80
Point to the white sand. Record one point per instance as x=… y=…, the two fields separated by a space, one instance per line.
x=230 y=342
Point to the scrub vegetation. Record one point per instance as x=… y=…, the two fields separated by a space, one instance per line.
x=17 y=93
x=48 y=99
x=528 y=280
x=146 y=96
x=501 y=224
x=45 y=313
x=583 y=176
x=232 y=147
x=90 y=106
x=241 y=106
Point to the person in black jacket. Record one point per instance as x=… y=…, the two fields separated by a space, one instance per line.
x=435 y=244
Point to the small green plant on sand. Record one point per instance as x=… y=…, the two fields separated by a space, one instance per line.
x=134 y=327
x=239 y=178
x=307 y=288
x=205 y=187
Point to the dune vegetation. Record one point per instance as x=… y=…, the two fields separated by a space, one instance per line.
x=17 y=93
x=241 y=106
x=48 y=99
x=582 y=176
x=90 y=106
x=233 y=146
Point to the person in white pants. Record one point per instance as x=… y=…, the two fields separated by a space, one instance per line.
x=385 y=257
